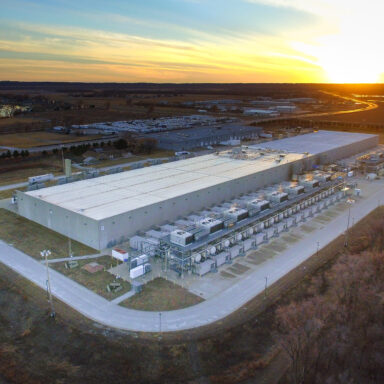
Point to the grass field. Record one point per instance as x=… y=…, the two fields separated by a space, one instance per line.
x=155 y=155
x=35 y=139
x=161 y=295
x=19 y=172
x=31 y=238
x=96 y=282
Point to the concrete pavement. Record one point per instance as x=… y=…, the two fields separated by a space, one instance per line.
x=110 y=314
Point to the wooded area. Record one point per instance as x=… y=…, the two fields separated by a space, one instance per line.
x=336 y=334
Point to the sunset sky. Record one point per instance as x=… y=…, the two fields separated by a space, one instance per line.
x=192 y=40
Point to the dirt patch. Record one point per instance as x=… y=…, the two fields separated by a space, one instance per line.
x=162 y=295
x=95 y=281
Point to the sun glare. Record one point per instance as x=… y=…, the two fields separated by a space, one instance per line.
x=348 y=60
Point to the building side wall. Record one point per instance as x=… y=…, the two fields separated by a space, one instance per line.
x=63 y=221
x=120 y=227
x=101 y=234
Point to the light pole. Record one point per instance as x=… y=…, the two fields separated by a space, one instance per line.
x=350 y=202
x=44 y=254
x=266 y=286
x=160 y=322
x=317 y=249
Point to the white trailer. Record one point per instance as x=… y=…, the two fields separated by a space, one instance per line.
x=120 y=254
x=140 y=270
x=40 y=178
x=139 y=260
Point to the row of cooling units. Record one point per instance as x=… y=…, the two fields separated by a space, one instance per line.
x=228 y=248
x=195 y=230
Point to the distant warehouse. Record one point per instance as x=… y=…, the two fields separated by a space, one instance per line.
x=184 y=139
x=102 y=211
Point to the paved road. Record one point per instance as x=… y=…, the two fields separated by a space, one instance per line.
x=74 y=258
x=220 y=306
x=13 y=186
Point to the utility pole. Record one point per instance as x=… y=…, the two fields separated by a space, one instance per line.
x=350 y=202
x=70 y=247
x=45 y=253
x=266 y=286
x=62 y=158
x=317 y=250
x=160 y=322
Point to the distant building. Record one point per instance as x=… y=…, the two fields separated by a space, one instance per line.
x=261 y=112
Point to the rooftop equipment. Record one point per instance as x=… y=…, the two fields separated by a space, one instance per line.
x=236 y=213
x=309 y=184
x=323 y=177
x=257 y=205
x=213 y=225
x=277 y=196
x=181 y=237
x=293 y=189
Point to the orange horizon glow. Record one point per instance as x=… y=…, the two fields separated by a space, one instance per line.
x=338 y=46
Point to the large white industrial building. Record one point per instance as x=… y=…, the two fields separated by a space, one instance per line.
x=106 y=210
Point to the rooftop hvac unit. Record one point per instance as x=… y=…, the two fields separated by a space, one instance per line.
x=236 y=213
x=156 y=234
x=168 y=228
x=257 y=205
x=293 y=189
x=323 y=177
x=309 y=184
x=213 y=225
x=182 y=238
x=277 y=197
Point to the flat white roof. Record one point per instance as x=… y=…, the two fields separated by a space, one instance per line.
x=316 y=142
x=110 y=195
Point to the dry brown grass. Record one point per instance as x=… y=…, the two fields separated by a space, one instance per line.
x=96 y=282
x=162 y=295
x=35 y=139
x=31 y=237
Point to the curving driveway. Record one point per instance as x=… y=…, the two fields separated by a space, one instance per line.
x=105 y=312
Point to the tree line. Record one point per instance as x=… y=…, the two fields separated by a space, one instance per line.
x=336 y=334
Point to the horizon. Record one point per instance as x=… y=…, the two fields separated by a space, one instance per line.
x=192 y=41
